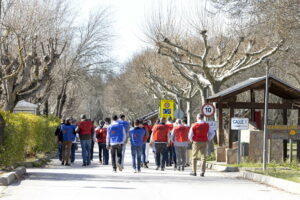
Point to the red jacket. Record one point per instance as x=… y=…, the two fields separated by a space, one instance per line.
x=160 y=133
x=200 y=131
x=101 y=134
x=148 y=130
x=85 y=127
x=181 y=133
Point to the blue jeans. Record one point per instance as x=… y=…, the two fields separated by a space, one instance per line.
x=144 y=153
x=73 y=149
x=86 y=151
x=59 y=151
x=136 y=152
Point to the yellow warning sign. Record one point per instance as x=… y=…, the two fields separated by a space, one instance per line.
x=166 y=108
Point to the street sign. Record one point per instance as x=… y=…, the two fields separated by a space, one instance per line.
x=284 y=132
x=178 y=114
x=208 y=109
x=213 y=125
x=166 y=108
x=239 y=123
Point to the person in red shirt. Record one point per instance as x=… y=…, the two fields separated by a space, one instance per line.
x=146 y=137
x=198 y=135
x=101 y=133
x=180 y=139
x=161 y=139
x=85 y=129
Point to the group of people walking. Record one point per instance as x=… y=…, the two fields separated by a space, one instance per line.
x=169 y=141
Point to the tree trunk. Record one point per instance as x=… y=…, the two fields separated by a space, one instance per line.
x=188 y=111
x=46 y=108
x=2 y=128
x=62 y=104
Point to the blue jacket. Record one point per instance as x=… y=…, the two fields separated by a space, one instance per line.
x=115 y=134
x=125 y=124
x=137 y=136
x=68 y=132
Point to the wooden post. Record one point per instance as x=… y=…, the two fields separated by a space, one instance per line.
x=231 y=115
x=220 y=132
x=285 y=142
x=252 y=100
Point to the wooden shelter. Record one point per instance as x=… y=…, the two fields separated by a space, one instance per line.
x=227 y=99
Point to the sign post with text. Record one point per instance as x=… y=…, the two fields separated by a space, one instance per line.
x=239 y=124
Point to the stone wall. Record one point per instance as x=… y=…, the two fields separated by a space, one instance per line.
x=256 y=147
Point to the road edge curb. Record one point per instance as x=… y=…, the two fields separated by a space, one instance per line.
x=10 y=177
x=278 y=183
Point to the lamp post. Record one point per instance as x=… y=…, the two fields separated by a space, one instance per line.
x=267 y=61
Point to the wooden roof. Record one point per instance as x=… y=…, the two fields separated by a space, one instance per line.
x=277 y=87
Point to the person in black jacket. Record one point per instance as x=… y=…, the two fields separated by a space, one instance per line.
x=59 y=139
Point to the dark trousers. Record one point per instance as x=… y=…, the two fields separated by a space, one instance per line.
x=144 y=153
x=92 y=149
x=171 y=156
x=116 y=153
x=103 y=153
x=59 y=151
x=160 y=154
x=73 y=149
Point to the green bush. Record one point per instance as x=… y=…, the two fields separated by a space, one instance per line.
x=25 y=136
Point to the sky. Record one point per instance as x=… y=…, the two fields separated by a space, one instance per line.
x=128 y=16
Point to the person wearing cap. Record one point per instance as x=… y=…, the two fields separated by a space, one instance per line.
x=137 y=135
x=85 y=129
x=101 y=133
x=179 y=136
x=115 y=139
x=161 y=139
x=198 y=135
x=68 y=132
x=126 y=126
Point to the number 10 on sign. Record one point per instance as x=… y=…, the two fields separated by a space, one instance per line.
x=208 y=110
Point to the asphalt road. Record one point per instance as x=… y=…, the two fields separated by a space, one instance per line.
x=57 y=182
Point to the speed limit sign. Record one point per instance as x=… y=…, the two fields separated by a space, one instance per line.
x=208 y=109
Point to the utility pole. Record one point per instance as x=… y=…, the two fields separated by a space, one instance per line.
x=266 y=117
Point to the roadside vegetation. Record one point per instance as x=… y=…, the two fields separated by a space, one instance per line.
x=27 y=136
x=284 y=170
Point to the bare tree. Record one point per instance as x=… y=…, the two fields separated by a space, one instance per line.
x=29 y=49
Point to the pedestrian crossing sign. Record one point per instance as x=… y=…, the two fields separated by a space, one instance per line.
x=166 y=108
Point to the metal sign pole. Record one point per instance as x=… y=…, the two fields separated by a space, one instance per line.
x=239 y=148
x=291 y=151
x=266 y=118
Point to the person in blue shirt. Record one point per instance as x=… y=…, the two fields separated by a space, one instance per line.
x=115 y=140
x=136 y=135
x=68 y=132
x=126 y=126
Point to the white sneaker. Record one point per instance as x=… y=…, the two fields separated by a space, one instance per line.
x=134 y=171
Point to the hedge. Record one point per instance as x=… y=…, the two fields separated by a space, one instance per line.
x=26 y=135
